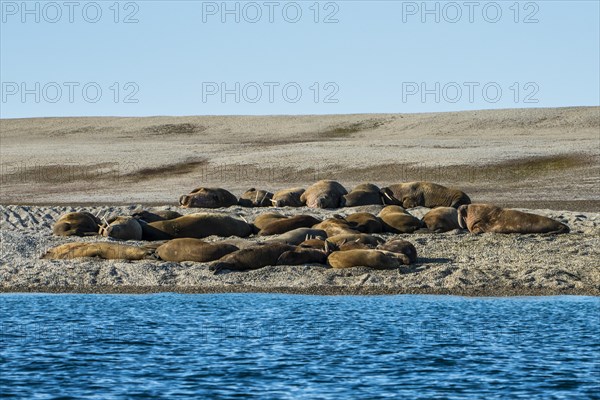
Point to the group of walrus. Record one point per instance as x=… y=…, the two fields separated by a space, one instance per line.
x=338 y=241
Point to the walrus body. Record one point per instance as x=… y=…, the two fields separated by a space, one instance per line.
x=441 y=219
x=365 y=222
x=105 y=250
x=363 y=195
x=297 y=236
x=361 y=238
x=76 y=224
x=263 y=220
x=481 y=218
x=124 y=228
x=208 y=198
x=288 y=198
x=187 y=249
x=302 y=256
x=397 y=220
x=319 y=244
x=256 y=198
x=425 y=194
x=287 y=224
x=401 y=247
x=376 y=259
x=252 y=258
x=324 y=194
x=335 y=226
x=198 y=226
x=153 y=216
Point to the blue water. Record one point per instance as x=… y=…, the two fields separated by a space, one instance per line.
x=281 y=346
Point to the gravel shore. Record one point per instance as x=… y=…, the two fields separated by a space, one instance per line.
x=457 y=262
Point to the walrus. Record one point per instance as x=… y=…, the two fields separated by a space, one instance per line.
x=302 y=256
x=324 y=194
x=124 y=228
x=265 y=219
x=319 y=244
x=76 y=224
x=288 y=198
x=208 y=198
x=365 y=222
x=297 y=236
x=283 y=225
x=251 y=258
x=397 y=220
x=362 y=238
x=187 y=249
x=426 y=194
x=376 y=259
x=153 y=216
x=255 y=198
x=104 y=250
x=354 y=246
x=363 y=195
x=441 y=219
x=198 y=225
x=401 y=247
x=335 y=226
x=481 y=218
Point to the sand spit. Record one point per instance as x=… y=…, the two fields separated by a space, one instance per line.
x=545 y=160
x=456 y=262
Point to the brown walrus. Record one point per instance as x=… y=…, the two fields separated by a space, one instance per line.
x=354 y=246
x=319 y=244
x=324 y=194
x=265 y=219
x=481 y=218
x=363 y=195
x=365 y=222
x=288 y=198
x=283 y=225
x=187 y=249
x=198 y=225
x=122 y=227
x=361 y=238
x=397 y=220
x=208 y=198
x=376 y=259
x=153 y=216
x=76 y=224
x=441 y=219
x=401 y=247
x=105 y=250
x=256 y=198
x=335 y=226
x=252 y=258
x=302 y=256
x=425 y=194
x=297 y=236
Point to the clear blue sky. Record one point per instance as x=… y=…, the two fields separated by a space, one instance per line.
x=378 y=57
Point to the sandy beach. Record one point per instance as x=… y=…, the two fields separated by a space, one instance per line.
x=540 y=160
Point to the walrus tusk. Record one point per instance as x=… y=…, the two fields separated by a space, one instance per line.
x=263 y=198
x=243 y=219
x=274 y=202
x=388 y=196
x=326 y=247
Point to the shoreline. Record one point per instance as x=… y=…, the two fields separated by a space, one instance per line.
x=502 y=292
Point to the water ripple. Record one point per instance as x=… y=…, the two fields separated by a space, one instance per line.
x=279 y=346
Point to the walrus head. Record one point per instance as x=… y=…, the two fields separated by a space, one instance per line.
x=208 y=198
x=387 y=197
x=462 y=216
